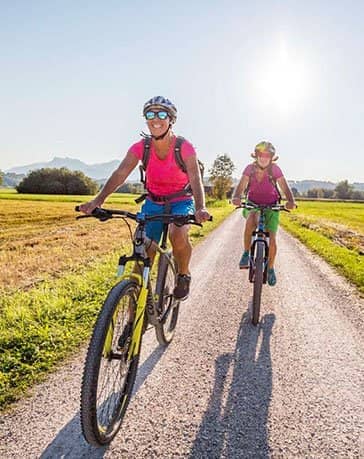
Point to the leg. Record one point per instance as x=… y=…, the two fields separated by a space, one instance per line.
x=272 y=222
x=182 y=248
x=272 y=249
x=250 y=225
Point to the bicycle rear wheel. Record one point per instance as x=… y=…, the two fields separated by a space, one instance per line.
x=258 y=281
x=167 y=306
x=109 y=373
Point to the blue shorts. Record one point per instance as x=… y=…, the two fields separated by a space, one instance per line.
x=154 y=229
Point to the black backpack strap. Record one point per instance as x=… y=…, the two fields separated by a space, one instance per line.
x=178 y=154
x=147 y=141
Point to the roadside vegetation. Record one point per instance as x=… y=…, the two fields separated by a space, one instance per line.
x=335 y=231
x=57 y=270
x=57 y=273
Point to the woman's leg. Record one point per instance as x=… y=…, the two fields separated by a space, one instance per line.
x=250 y=225
x=272 y=249
x=181 y=246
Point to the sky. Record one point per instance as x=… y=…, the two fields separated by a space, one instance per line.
x=74 y=76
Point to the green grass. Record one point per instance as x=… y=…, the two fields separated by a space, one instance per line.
x=335 y=231
x=43 y=325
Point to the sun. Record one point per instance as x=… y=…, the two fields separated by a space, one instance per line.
x=281 y=81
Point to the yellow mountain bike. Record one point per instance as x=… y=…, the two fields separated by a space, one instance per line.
x=113 y=354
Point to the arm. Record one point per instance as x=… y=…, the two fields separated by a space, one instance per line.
x=239 y=190
x=193 y=172
x=116 y=179
x=283 y=185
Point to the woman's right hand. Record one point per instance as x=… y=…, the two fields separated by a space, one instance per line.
x=88 y=207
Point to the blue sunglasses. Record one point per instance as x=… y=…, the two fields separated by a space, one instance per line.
x=162 y=115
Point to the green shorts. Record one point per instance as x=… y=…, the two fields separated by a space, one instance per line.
x=271 y=218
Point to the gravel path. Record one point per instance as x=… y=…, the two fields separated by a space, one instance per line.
x=291 y=387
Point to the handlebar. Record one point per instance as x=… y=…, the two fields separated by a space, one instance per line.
x=106 y=214
x=251 y=205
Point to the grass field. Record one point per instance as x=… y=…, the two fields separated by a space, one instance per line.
x=335 y=231
x=56 y=273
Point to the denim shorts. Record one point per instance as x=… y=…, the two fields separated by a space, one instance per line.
x=154 y=229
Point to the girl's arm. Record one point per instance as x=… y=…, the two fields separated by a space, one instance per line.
x=283 y=185
x=240 y=190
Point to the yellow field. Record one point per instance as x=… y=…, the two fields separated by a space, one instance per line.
x=42 y=239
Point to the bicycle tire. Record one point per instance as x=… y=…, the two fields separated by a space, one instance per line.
x=167 y=305
x=100 y=421
x=258 y=281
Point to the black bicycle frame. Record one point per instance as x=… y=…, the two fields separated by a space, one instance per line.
x=259 y=236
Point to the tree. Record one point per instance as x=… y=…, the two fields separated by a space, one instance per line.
x=343 y=190
x=221 y=176
x=57 y=181
x=1 y=177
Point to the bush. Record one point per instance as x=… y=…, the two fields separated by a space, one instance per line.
x=57 y=181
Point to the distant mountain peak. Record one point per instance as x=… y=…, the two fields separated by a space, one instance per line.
x=95 y=171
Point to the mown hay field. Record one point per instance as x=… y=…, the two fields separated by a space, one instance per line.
x=55 y=273
x=335 y=231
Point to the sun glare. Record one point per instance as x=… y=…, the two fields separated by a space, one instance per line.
x=281 y=81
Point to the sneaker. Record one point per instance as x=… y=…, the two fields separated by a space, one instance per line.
x=244 y=260
x=126 y=333
x=182 y=288
x=272 y=280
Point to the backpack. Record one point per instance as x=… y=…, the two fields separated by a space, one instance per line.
x=179 y=161
x=272 y=180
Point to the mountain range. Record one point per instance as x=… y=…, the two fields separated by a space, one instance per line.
x=101 y=171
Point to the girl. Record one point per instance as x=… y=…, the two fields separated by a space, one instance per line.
x=259 y=184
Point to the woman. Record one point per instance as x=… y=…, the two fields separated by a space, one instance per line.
x=167 y=184
x=259 y=183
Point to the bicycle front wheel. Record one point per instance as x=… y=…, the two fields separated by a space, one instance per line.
x=258 y=281
x=109 y=371
x=167 y=305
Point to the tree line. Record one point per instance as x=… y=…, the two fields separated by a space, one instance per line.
x=219 y=185
x=343 y=190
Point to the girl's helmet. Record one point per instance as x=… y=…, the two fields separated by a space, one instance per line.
x=161 y=102
x=265 y=146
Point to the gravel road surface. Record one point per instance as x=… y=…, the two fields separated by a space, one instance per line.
x=291 y=387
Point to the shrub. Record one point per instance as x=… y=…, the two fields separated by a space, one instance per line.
x=57 y=181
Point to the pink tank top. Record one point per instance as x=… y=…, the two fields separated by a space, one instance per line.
x=164 y=176
x=263 y=192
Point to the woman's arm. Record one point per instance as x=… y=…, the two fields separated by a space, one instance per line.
x=116 y=179
x=194 y=177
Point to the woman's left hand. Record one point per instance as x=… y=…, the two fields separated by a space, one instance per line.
x=290 y=205
x=202 y=215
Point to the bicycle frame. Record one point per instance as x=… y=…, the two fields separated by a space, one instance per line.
x=260 y=235
x=140 y=241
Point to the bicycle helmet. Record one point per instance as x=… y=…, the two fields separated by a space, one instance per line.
x=265 y=146
x=161 y=102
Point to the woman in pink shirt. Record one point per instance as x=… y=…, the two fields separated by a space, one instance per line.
x=165 y=184
x=259 y=181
